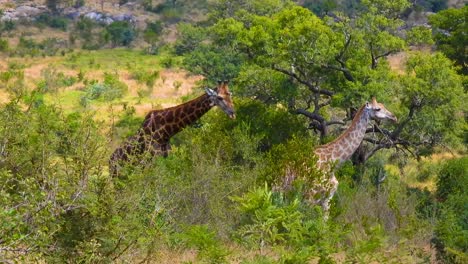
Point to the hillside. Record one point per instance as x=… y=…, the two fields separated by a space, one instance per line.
x=325 y=131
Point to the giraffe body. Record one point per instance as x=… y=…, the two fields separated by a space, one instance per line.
x=160 y=125
x=332 y=155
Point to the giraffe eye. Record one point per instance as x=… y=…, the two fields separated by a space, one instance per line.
x=377 y=109
x=220 y=98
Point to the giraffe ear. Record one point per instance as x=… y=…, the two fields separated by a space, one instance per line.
x=367 y=105
x=210 y=92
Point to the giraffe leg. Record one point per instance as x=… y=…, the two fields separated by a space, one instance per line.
x=327 y=200
x=165 y=148
x=115 y=161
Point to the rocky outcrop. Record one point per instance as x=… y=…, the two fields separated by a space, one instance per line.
x=24 y=12
x=30 y=12
x=99 y=17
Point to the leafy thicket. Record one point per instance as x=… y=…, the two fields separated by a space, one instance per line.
x=449 y=28
x=451 y=229
x=236 y=190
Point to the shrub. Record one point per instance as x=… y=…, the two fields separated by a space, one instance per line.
x=451 y=234
x=110 y=89
x=452 y=178
x=50 y=46
x=4 y=46
x=293 y=228
x=7 y=25
x=152 y=32
x=266 y=223
x=205 y=241
x=147 y=77
x=54 y=187
x=27 y=47
x=53 y=21
x=53 y=80
x=121 y=33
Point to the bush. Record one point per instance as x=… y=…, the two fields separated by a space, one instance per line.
x=152 y=32
x=47 y=47
x=147 y=77
x=6 y=26
x=53 y=80
x=53 y=188
x=451 y=234
x=121 y=33
x=110 y=89
x=85 y=30
x=4 y=46
x=53 y=21
x=452 y=178
x=205 y=242
x=27 y=47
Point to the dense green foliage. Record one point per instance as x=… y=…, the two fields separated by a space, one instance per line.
x=452 y=230
x=120 y=33
x=450 y=33
x=224 y=193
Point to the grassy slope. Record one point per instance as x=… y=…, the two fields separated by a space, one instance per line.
x=168 y=89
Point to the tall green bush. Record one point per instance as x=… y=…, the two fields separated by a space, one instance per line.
x=121 y=33
x=451 y=232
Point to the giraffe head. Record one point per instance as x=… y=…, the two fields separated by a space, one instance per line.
x=221 y=97
x=377 y=111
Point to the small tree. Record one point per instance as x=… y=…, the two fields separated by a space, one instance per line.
x=121 y=33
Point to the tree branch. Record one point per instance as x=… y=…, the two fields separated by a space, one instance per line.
x=342 y=69
x=335 y=122
x=310 y=115
x=300 y=80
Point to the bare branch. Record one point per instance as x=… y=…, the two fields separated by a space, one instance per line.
x=310 y=115
x=335 y=122
x=385 y=54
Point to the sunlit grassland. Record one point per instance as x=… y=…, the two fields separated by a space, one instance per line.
x=421 y=174
x=111 y=59
x=169 y=88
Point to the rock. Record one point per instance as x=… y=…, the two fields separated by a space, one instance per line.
x=124 y=17
x=73 y=15
x=25 y=12
x=93 y=16
x=107 y=20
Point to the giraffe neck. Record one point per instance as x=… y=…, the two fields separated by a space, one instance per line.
x=165 y=123
x=192 y=110
x=345 y=145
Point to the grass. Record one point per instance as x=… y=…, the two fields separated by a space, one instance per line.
x=93 y=64
x=112 y=59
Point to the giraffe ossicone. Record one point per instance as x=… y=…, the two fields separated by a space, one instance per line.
x=160 y=125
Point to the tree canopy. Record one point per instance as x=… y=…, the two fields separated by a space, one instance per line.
x=283 y=53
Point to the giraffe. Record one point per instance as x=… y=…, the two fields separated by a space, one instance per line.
x=160 y=125
x=332 y=155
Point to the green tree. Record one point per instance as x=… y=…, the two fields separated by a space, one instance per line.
x=152 y=35
x=121 y=33
x=451 y=34
x=287 y=55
